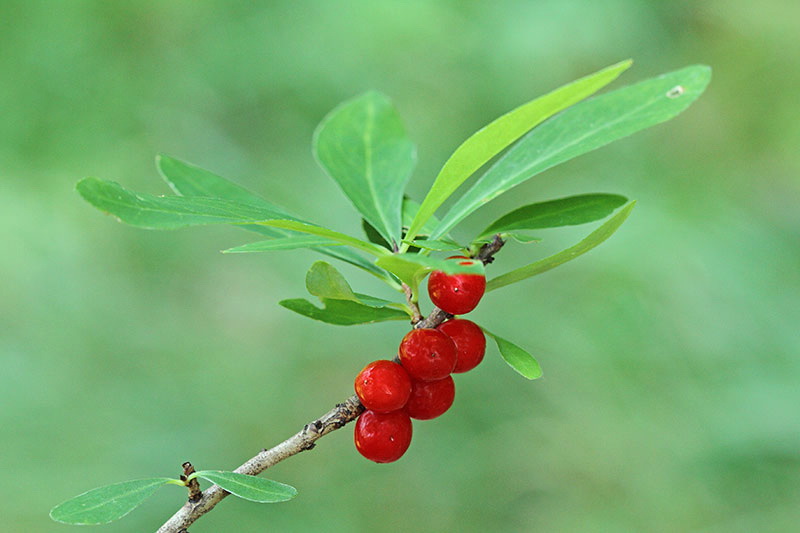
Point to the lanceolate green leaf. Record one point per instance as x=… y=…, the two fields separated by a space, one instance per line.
x=492 y=139
x=441 y=245
x=282 y=243
x=189 y=180
x=324 y=281
x=343 y=312
x=570 y=211
x=363 y=146
x=168 y=212
x=410 y=210
x=319 y=231
x=517 y=358
x=106 y=504
x=580 y=129
x=251 y=488
x=543 y=265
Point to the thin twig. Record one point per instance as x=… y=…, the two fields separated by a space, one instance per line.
x=334 y=419
x=414 y=306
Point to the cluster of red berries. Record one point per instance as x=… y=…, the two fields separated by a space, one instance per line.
x=420 y=385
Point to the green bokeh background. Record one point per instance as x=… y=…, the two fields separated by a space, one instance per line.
x=671 y=395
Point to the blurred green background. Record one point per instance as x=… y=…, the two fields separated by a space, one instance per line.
x=671 y=395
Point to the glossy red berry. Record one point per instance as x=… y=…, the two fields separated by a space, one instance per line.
x=470 y=342
x=427 y=354
x=430 y=399
x=456 y=293
x=383 y=386
x=383 y=437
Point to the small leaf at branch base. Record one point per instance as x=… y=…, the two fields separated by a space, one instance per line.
x=324 y=281
x=251 y=488
x=571 y=211
x=595 y=238
x=282 y=243
x=106 y=504
x=517 y=358
x=343 y=312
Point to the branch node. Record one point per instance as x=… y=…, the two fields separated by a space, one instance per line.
x=192 y=484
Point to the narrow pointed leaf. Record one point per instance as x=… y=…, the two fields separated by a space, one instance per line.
x=570 y=211
x=595 y=238
x=343 y=312
x=328 y=233
x=190 y=180
x=363 y=146
x=581 y=129
x=168 y=212
x=106 y=504
x=251 y=488
x=410 y=210
x=492 y=139
x=440 y=245
x=324 y=281
x=517 y=358
x=282 y=243
x=522 y=238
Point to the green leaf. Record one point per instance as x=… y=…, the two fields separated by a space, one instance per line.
x=189 y=180
x=324 y=281
x=522 y=238
x=363 y=146
x=581 y=129
x=282 y=243
x=251 y=488
x=343 y=312
x=106 y=504
x=168 y=212
x=411 y=269
x=373 y=301
x=517 y=358
x=570 y=211
x=328 y=233
x=372 y=235
x=440 y=245
x=410 y=210
x=492 y=139
x=543 y=265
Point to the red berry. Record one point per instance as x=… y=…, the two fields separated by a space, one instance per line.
x=383 y=437
x=470 y=342
x=383 y=386
x=428 y=354
x=456 y=293
x=430 y=399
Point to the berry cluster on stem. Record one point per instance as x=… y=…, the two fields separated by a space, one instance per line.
x=418 y=383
